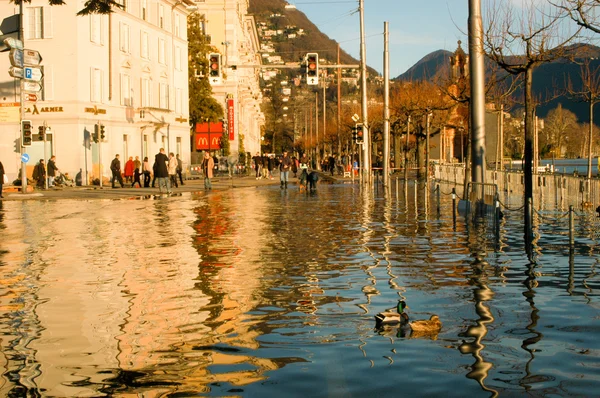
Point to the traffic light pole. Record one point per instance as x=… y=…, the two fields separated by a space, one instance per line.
x=366 y=164
x=46 y=176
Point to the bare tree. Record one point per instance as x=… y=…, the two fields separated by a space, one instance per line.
x=519 y=41
x=583 y=12
x=590 y=93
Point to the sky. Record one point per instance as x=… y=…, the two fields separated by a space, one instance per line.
x=416 y=27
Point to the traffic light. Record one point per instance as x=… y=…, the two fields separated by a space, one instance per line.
x=214 y=67
x=41 y=133
x=354 y=134
x=359 y=133
x=96 y=133
x=26 y=132
x=102 y=132
x=312 y=68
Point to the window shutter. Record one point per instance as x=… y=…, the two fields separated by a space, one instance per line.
x=47 y=22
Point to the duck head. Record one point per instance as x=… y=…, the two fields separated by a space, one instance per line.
x=401 y=306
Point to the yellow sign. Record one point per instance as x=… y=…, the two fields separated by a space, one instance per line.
x=9 y=112
x=45 y=109
x=95 y=110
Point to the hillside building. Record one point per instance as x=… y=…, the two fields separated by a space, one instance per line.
x=126 y=71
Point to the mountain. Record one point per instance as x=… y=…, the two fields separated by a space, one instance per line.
x=548 y=79
x=300 y=35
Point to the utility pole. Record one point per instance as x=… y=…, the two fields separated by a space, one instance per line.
x=477 y=74
x=22 y=110
x=324 y=73
x=339 y=102
x=386 y=104
x=366 y=161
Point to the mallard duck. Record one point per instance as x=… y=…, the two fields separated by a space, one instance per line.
x=429 y=326
x=393 y=317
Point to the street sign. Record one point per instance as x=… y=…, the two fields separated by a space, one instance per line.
x=16 y=57
x=14 y=43
x=16 y=72
x=34 y=87
x=34 y=74
x=31 y=57
x=24 y=158
x=30 y=97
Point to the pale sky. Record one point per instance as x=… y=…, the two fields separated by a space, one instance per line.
x=417 y=28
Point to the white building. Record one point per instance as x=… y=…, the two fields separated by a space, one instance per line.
x=126 y=71
x=234 y=33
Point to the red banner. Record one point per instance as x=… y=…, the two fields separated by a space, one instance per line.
x=208 y=141
x=211 y=127
x=230 y=119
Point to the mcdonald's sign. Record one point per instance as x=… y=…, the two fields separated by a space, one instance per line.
x=208 y=136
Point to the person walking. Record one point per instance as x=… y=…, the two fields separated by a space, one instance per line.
x=2 y=177
x=265 y=166
x=52 y=170
x=147 y=172
x=137 y=164
x=172 y=166
x=208 y=165
x=39 y=174
x=162 y=172
x=154 y=173
x=271 y=166
x=180 y=169
x=257 y=164
x=136 y=177
x=129 y=166
x=115 y=168
x=284 y=168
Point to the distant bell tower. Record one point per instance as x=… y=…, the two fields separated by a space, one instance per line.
x=459 y=64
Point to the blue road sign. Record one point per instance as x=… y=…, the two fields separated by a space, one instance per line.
x=27 y=73
x=24 y=158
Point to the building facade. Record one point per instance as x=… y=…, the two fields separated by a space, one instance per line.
x=233 y=33
x=124 y=74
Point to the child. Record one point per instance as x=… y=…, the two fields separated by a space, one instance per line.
x=136 y=177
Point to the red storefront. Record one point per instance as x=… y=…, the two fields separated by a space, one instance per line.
x=208 y=136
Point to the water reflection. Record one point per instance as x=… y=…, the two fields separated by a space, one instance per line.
x=264 y=292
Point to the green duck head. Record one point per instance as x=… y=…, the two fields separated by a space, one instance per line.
x=401 y=306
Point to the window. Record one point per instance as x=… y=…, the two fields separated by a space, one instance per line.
x=178 y=146
x=161 y=16
x=126 y=99
x=96 y=85
x=144 y=10
x=146 y=92
x=163 y=95
x=177 y=58
x=39 y=23
x=145 y=147
x=125 y=147
x=124 y=38
x=96 y=33
x=48 y=83
x=161 y=51
x=177 y=25
x=144 y=53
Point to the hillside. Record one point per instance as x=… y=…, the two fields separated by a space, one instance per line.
x=548 y=79
x=299 y=36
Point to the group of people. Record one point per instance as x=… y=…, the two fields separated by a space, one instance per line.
x=165 y=170
x=265 y=165
x=43 y=174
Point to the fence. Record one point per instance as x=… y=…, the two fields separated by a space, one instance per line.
x=549 y=190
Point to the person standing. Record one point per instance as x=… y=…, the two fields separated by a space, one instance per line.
x=271 y=165
x=147 y=172
x=129 y=166
x=1 y=179
x=39 y=174
x=52 y=170
x=285 y=166
x=257 y=164
x=115 y=168
x=172 y=166
x=136 y=176
x=179 y=169
x=137 y=164
x=265 y=166
x=208 y=165
x=161 y=173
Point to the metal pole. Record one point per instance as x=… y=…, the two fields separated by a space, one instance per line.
x=501 y=137
x=22 y=109
x=428 y=124
x=318 y=155
x=45 y=159
x=386 y=105
x=324 y=76
x=571 y=227
x=100 y=156
x=366 y=163
x=477 y=74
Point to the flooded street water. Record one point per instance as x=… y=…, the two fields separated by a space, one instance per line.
x=260 y=292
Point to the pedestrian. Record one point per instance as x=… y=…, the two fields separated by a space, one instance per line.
x=136 y=177
x=52 y=171
x=162 y=172
x=208 y=165
x=294 y=166
x=271 y=165
x=265 y=166
x=147 y=172
x=137 y=164
x=285 y=166
x=3 y=179
x=257 y=164
x=154 y=174
x=39 y=174
x=115 y=168
x=180 y=169
x=172 y=170
x=331 y=163
x=129 y=166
